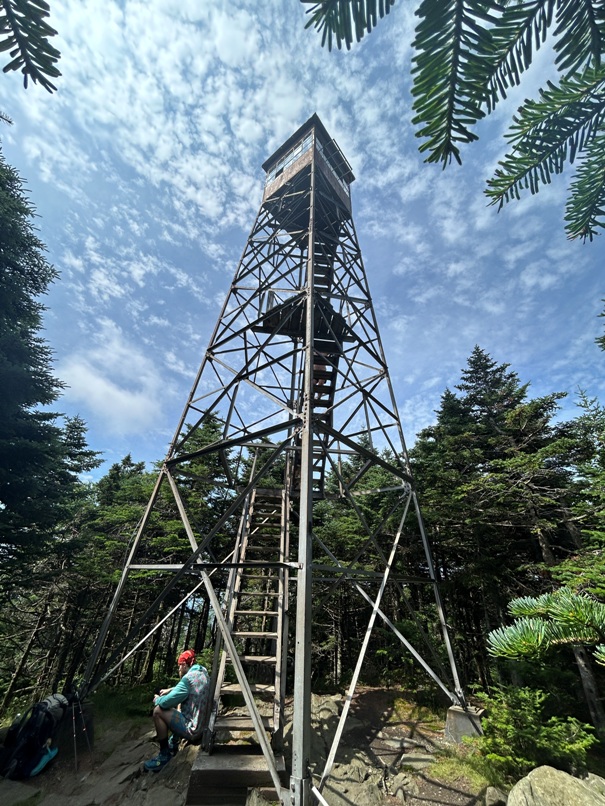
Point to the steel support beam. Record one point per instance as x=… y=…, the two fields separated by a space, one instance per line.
x=300 y=782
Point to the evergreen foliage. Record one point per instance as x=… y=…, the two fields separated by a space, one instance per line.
x=572 y=614
x=40 y=460
x=601 y=339
x=509 y=495
x=548 y=620
x=177 y=617
x=469 y=53
x=337 y=20
x=519 y=736
x=359 y=531
x=496 y=488
x=24 y=32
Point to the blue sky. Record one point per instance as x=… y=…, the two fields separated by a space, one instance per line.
x=145 y=169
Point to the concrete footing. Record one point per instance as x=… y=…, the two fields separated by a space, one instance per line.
x=463 y=722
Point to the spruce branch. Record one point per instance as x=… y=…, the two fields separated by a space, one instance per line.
x=338 y=20
x=25 y=34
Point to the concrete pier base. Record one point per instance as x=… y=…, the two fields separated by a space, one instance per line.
x=463 y=722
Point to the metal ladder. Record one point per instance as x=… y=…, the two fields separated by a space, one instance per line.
x=324 y=379
x=256 y=613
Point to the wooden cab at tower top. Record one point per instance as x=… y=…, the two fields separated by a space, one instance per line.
x=289 y=176
x=307 y=195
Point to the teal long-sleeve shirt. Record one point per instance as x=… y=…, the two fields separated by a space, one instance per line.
x=176 y=695
x=191 y=693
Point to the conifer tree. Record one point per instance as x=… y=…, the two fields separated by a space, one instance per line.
x=40 y=458
x=496 y=491
x=583 y=571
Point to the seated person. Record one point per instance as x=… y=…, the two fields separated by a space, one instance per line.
x=191 y=694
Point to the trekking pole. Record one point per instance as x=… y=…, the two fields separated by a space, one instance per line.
x=73 y=721
x=85 y=731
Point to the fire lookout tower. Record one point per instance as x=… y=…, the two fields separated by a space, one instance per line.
x=295 y=387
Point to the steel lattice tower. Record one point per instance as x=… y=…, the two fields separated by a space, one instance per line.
x=296 y=382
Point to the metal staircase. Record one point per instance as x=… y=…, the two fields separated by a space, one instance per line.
x=257 y=605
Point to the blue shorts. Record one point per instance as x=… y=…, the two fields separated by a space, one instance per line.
x=178 y=724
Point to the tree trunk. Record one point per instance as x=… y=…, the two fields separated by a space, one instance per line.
x=545 y=549
x=189 y=613
x=170 y=649
x=121 y=673
x=147 y=674
x=595 y=706
x=175 y=649
x=23 y=659
x=60 y=656
x=202 y=628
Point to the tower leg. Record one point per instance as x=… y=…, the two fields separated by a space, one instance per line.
x=300 y=782
x=301 y=731
x=300 y=791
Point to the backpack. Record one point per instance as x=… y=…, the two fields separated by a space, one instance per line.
x=28 y=743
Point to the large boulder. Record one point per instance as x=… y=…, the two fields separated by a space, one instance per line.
x=546 y=786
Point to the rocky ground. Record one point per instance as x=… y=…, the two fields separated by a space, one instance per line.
x=386 y=757
x=407 y=739
x=400 y=742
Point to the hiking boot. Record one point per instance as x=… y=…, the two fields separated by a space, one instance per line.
x=173 y=744
x=156 y=763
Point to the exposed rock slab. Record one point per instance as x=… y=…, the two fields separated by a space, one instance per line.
x=546 y=786
x=12 y=793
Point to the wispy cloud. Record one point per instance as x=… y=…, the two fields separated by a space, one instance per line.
x=146 y=169
x=116 y=381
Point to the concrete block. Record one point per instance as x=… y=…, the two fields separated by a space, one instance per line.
x=463 y=722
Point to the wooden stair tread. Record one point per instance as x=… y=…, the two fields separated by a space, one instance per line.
x=268 y=659
x=259 y=576
x=240 y=722
x=256 y=613
x=255 y=688
x=264 y=549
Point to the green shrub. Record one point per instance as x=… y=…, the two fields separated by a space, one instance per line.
x=517 y=737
